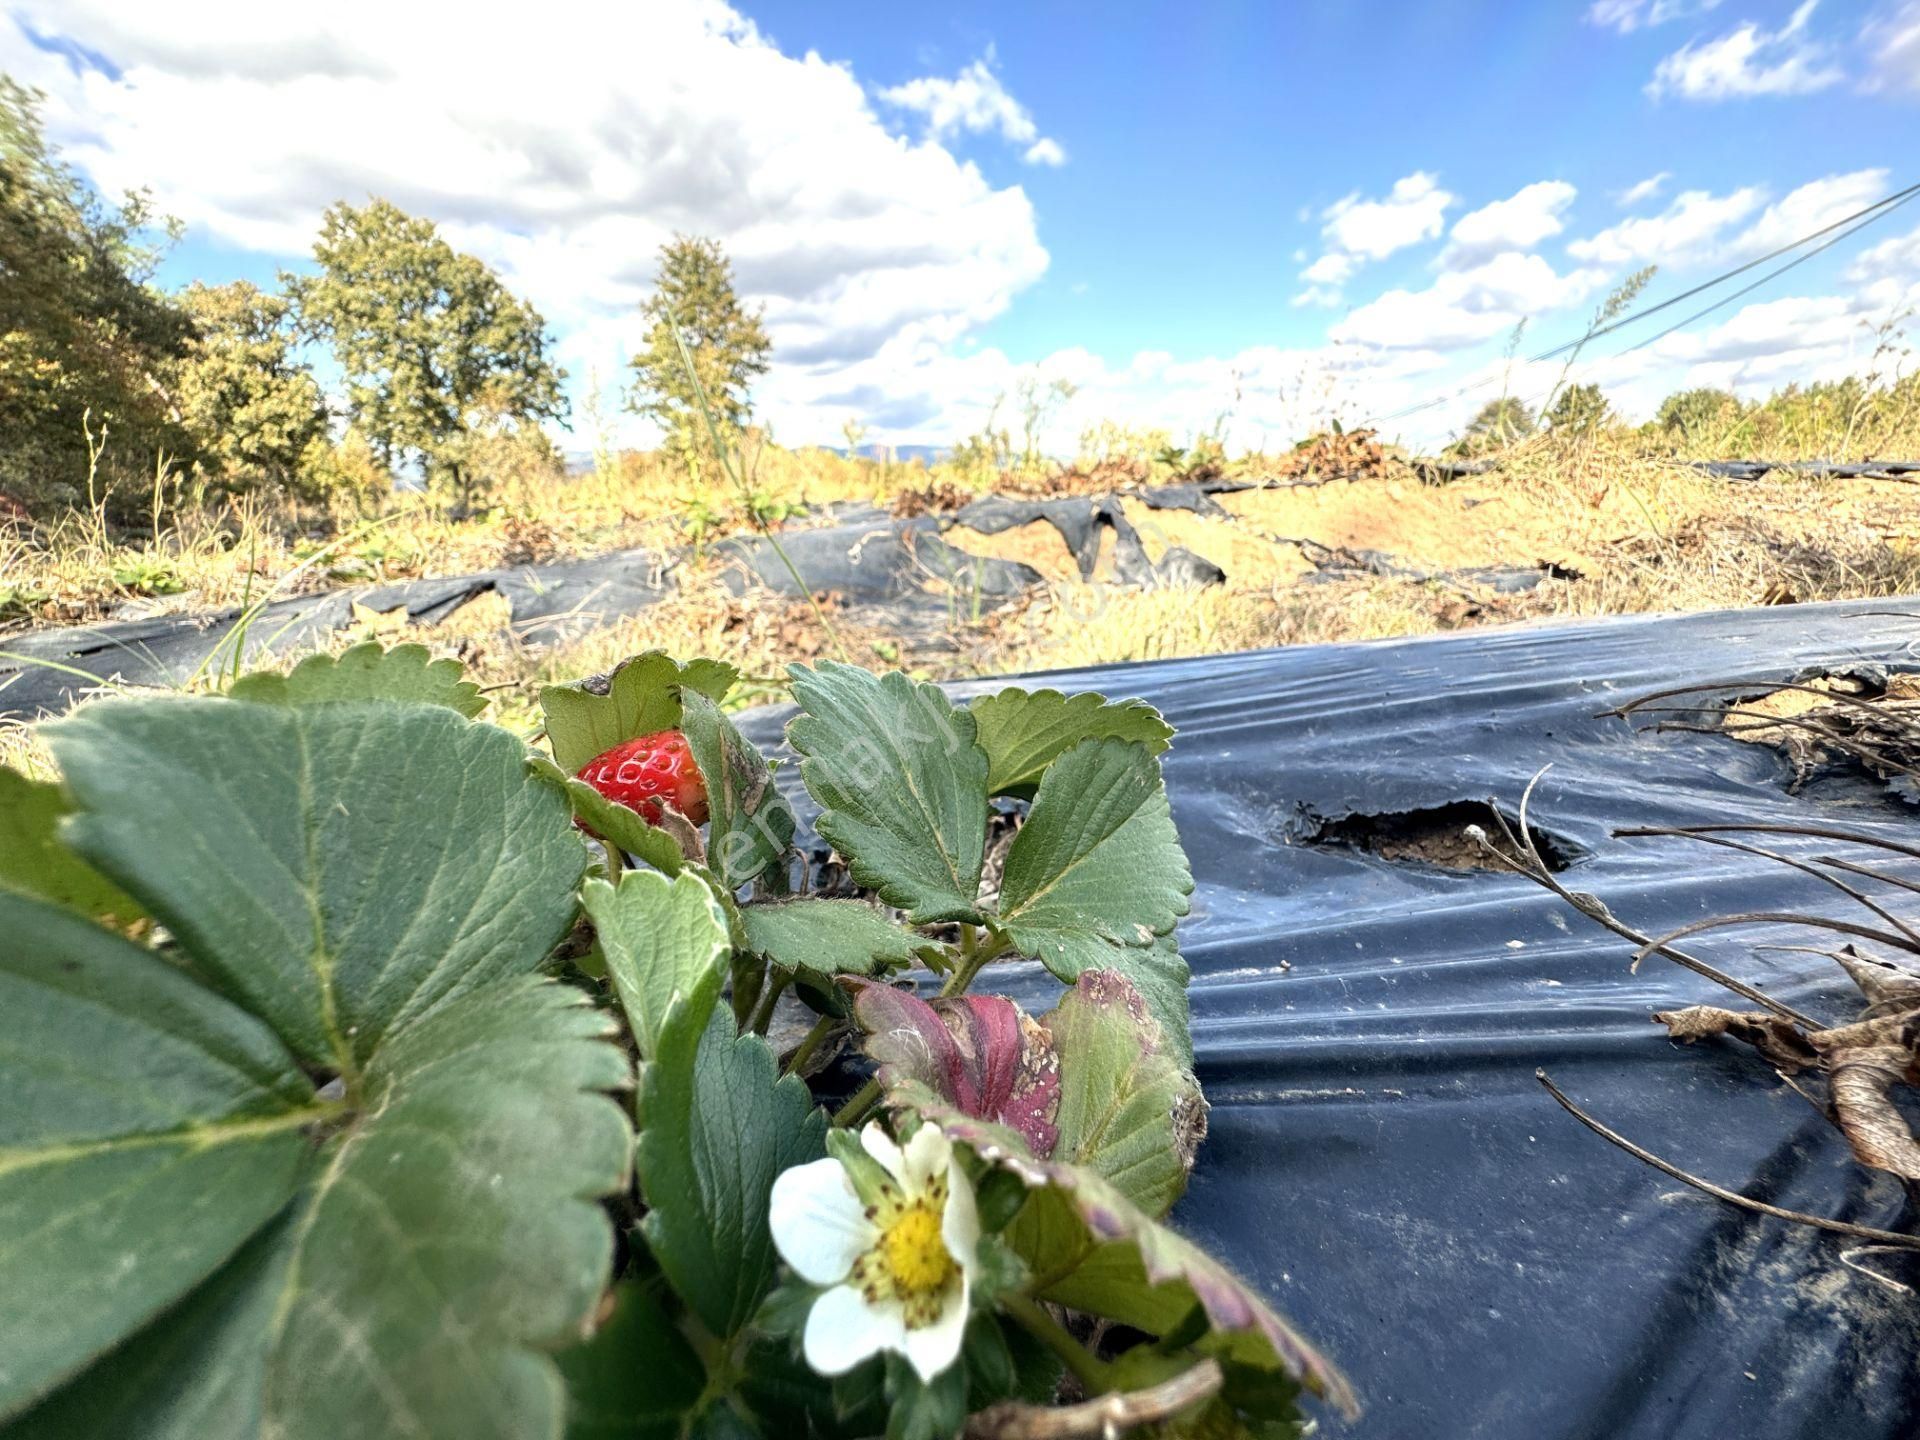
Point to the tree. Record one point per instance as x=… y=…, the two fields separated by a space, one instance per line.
x=255 y=413
x=433 y=346
x=1500 y=421
x=694 y=288
x=1701 y=416
x=1580 y=410
x=81 y=330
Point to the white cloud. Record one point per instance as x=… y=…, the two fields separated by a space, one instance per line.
x=1330 y=270
x=1044 y=152
x=1811 y=207
x=974 y=102
x=1686 y=231
x=1373 y=229
x=1465 y=307
x=565 y=165
x=1644 y=189
x=1626 y=16
x=1749 y=61
x=1356 y=230
x=1520 y=222
x=1891 y=41
x=1898 y=258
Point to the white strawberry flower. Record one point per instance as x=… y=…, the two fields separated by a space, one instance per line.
x=893 y=1230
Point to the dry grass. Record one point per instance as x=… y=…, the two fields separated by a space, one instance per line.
x=1626 y=530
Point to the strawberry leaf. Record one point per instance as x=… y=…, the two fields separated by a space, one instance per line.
x=751 y=822
x=980 y=1052
x=717 y=1124
x=1097 y=869
x=902 y=785
x=368 y=671
x=1129 y=1110
x=34 y=862
x=197 y=1227
x=642 y=695
x=829 y=937
x=1023 y=731
x=182 y=1141
x=661 y=938
x=636 y=1378
x=336 y=869
x=437 y=1243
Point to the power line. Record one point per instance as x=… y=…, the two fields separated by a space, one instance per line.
x=1864 y=217
x=1748 y=289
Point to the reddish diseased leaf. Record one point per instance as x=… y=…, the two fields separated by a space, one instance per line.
x=978 y=1052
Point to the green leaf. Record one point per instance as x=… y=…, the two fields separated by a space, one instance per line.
x=1023 y=731
x=149 y=1128
x=635 y=1378
x=339 y=870
x=194 y=1241
x=902 y=785
x=751 y=824
x=623 y=828
x=1107 y=1257
x=1129 y=1110
x=640 y=698
x=1160 y=973
x=661 y=938
x=830 y=937
x=717 y=1125
x=924 y=1409
x=1098 y=866
x=367 y=672
x=34 y=862
x=445 y=1232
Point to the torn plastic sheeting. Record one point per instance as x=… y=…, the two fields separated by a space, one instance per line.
x=885 y=559
x=1079 y=519
x=1381 y=1159
x=887 y=562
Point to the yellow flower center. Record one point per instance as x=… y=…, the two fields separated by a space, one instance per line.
x=916 y=1252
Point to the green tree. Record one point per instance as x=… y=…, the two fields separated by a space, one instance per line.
x=81 y=330
x=1580 y=410
x=433 y=346
x=728 y=343
x=1701 y=416
x=1501 y=421
x=255 y=412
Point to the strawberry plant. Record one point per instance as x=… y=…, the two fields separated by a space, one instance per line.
x=370 y=1073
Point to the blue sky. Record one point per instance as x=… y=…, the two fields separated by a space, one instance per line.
x=1283 y=211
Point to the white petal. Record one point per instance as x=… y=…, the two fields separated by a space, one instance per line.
x=843 y=1329
x=819 y=1225
x=926 y=1156
x=960 y=1226
x=932 y=1348
x=875 y=1142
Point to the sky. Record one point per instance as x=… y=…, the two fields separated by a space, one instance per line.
x=1252 y=217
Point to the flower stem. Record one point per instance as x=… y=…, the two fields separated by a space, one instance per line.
x=855 y=1110
x=811 y=1042
x=1088 y=1368
x=762 y=1015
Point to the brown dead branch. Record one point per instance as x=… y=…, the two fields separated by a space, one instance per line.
x=1720 y=1192
x=1104 y=1415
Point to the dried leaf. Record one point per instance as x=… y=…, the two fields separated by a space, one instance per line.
x=1779 y=1040
x=1860 y=1080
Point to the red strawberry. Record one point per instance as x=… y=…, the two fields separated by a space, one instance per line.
x=641 y=773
